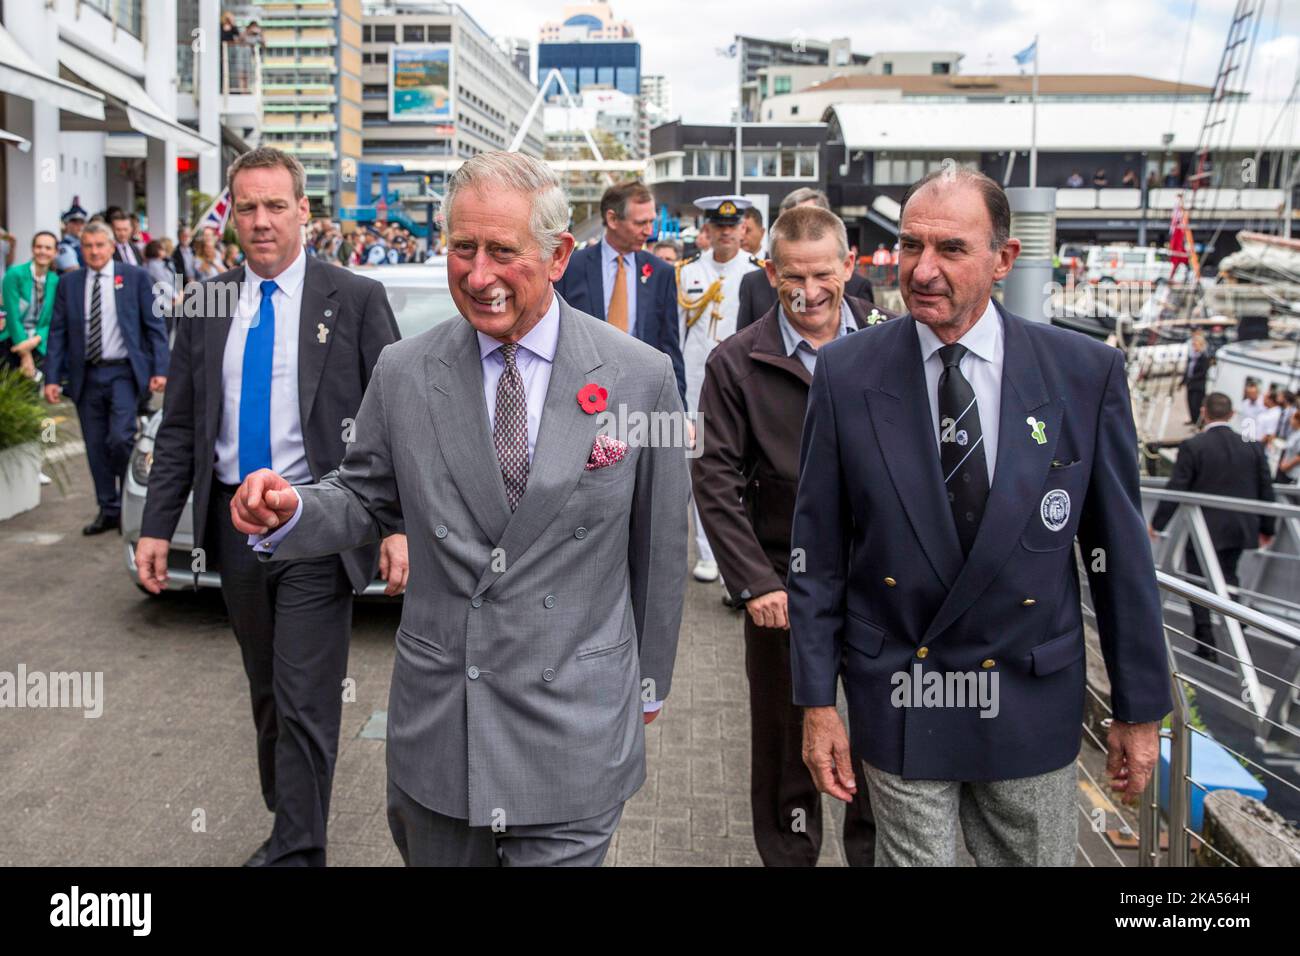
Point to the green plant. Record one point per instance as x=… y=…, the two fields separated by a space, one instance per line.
x=21 y=414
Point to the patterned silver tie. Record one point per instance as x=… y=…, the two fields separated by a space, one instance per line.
x=510 y=428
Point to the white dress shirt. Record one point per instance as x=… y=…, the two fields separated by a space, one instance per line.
x=609 y=272
x=288 y=453
x=533 y=358
x=113 y=345
x=981 y=366
x=127 y=252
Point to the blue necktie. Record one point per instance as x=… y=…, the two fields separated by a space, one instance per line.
x=255 y=388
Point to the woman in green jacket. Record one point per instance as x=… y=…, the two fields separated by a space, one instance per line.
x=28 y=295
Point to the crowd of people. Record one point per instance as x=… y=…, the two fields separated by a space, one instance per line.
x=830 y=429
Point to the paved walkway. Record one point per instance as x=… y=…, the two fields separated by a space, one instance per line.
x=167 y=775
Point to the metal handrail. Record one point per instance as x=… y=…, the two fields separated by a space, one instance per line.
x=1181 y=729
x=1223 y=503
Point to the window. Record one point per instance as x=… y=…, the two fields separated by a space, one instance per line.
x=413 y=34
x=807 y=162
x=794 y=110
x=385 y=33
x=940 y=69
x=887 y=68
x=586 y=76
x=780 y=84
x=366 y=35
x=762 y=87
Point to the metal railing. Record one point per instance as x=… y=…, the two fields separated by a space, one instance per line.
x=1267 y=709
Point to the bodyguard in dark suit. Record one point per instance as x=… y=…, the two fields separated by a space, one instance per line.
x=757 y=296
x=272 y=374
x=110 y=346
x=1219 y=462
x=182 y=261
x=752 y=403
x=124 y=249
x=949 y=461
x=616 y=281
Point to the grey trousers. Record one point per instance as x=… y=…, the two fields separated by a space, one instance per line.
x=1032 y=821
x=425 y=837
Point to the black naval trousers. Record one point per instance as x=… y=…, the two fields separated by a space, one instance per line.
x=293 y=622
x=786 y=806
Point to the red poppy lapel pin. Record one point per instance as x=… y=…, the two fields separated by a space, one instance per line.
x=591 y=397
x=117 y=282
x=647 y=271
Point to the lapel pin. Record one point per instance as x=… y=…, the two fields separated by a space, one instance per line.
x=1039 y=432
x=328 y=313
x=322 y=333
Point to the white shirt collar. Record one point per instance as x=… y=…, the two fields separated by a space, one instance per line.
x=1210 y=425
x=983 y=338
x=542 y=339
x=289 y=281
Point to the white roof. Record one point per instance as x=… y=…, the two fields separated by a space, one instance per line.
x=142 y=111
x=974 y=127
x=23 y=76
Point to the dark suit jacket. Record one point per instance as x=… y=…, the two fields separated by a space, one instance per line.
x=331 y=380
x=136 y=247
x=752 y=405
x=656 y=301
x=883 y=573
x=144 y=333
x=178 y=265
x=1219 y=462
x=757 y=296
x=1198 y=367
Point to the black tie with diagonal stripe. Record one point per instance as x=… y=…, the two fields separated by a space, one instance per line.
x=961 y=447
x=95 y=325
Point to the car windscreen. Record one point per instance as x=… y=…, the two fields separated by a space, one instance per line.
x=419 y=307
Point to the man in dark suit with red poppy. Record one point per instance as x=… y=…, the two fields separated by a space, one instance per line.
x=616 y=281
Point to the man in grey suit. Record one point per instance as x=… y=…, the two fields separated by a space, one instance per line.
x=271 y=375
x=540 y=624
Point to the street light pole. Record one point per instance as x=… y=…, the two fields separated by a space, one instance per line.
x=740 y=104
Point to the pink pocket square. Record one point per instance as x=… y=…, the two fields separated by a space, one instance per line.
x=605 y=451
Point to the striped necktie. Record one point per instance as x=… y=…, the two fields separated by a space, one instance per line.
x=95 y=328
x=961 y=447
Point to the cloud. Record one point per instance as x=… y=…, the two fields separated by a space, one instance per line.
x=1148 y=37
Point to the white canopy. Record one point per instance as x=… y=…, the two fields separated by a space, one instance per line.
x=142 y=113
x=22 y=76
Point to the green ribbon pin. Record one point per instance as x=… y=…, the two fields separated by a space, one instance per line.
x=1039 y=432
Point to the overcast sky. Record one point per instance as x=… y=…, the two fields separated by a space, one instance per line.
x=680 y=37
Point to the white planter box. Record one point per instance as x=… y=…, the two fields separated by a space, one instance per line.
x=20 y=479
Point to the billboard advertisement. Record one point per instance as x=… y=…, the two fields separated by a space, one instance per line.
x=420 y=84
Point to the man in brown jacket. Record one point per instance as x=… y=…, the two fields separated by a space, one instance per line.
x=751 y=411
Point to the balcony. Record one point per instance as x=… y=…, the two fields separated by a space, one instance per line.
x=239 y=91
x=1089 y=203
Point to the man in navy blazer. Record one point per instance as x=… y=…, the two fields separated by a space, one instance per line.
x=109 y=344
x=949 y=461
x=647 y=307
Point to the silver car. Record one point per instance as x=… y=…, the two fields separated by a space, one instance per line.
x=420 y=299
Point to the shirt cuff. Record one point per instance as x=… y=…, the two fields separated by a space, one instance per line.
x=266 y=543
x=652 y=706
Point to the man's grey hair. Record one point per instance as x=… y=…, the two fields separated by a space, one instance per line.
x=990 y=190
x=806 y=224
x=802 y=195
x=521 y=174
x=98 y=228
